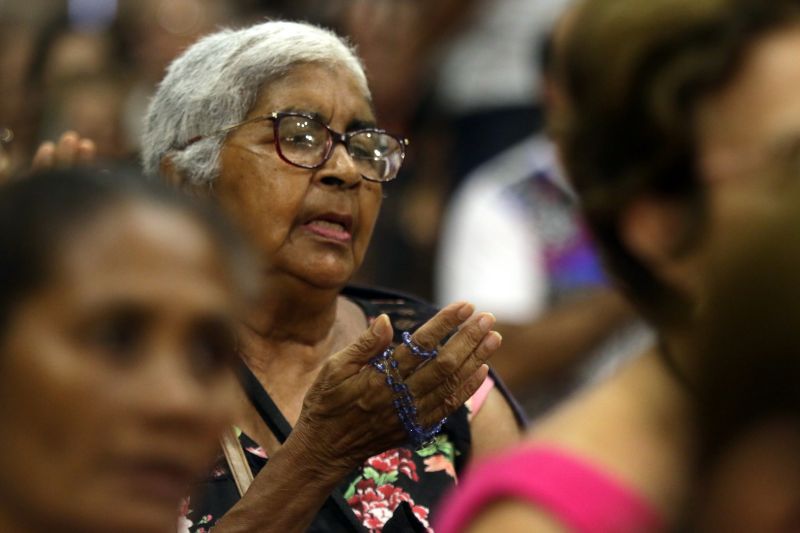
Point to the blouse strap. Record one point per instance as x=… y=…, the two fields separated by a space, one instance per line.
x=237 y=462
x=281 y=429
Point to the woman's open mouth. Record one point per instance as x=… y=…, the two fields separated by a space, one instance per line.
x=331 y=226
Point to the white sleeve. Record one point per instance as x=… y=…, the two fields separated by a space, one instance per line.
x=489 y=255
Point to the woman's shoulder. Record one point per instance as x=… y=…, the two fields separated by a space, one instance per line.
x=635 y=427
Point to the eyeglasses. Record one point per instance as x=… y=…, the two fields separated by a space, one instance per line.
x=303 y=141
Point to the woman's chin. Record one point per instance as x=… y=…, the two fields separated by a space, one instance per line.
x=330 y=277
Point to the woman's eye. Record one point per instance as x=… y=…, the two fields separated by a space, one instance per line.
x=117 y=337
x=301 y=139
x=212 y=347
x=361 y=151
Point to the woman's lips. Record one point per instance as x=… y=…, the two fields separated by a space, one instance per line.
x=329 y=230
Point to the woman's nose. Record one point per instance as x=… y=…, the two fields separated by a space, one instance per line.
x=168 y=391
x=340 y=170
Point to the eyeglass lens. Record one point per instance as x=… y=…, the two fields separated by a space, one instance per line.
x=305 y=142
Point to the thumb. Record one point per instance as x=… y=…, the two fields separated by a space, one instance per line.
x=370 y=343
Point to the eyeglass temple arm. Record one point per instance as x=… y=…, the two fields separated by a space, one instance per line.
x=227 y=129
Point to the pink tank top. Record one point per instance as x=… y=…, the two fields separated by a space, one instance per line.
x=580 y=496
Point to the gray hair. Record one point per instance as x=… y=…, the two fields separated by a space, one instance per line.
x=216 y=81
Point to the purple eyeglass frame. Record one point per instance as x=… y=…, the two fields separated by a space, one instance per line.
x=334 y=138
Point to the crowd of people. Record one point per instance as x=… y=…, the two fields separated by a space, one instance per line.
x=206 y=325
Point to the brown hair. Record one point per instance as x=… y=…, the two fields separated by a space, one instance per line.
x=634 y=72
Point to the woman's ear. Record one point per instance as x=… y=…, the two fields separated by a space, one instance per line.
x=653 y=229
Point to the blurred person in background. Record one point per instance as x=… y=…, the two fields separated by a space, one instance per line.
x=153 y=33
x=255 y=118
x=514 y=241
x=117 y=312
x=677 y=136
x=487 y=83
x=77 y=77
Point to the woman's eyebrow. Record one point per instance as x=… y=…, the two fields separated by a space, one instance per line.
x=305 y=111
x=354 y=125
x=360 y=124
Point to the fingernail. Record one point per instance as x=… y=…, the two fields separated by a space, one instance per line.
x=493 y=340
x=486 y=322
x=379 y=325
x=465 y=311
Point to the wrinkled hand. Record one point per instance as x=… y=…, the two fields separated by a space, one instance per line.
x=70 y=150
x=347 y=414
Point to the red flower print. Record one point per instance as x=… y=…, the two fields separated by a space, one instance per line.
x=374 y=506
x=395 y=460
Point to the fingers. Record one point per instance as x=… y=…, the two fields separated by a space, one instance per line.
x=451 y=385
x=472 y=346
x=352 y=359
x=431 y=414
x=67 y=149
x=430 y=334
x=70 y=150
x=87 y=151
x=45 y=156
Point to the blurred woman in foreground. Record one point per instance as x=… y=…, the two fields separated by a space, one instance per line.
x=117 y=305
x=684 y=128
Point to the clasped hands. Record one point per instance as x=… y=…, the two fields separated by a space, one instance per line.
x=347 y=414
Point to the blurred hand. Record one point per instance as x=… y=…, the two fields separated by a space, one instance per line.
x=70 y=150
x=347 y=415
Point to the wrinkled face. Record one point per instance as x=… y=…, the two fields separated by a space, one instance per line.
x=115 y=376
x=309 y=225
x=750 y=135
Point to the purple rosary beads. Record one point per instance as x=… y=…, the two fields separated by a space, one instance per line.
x=403 y=401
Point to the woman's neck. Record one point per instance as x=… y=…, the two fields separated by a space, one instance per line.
x=294 y=329
x=294 y=312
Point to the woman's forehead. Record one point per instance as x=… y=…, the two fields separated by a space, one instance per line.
x=320 y=90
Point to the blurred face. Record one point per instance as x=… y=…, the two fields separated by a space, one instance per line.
x=749 y=152
x=115 y=377
x=750 y=134
x=311 y=225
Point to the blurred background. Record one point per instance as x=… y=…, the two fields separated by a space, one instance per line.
x=460 y=78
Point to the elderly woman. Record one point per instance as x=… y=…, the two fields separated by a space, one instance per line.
x=118 y=305
x=678 y=136
x=275 y=123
